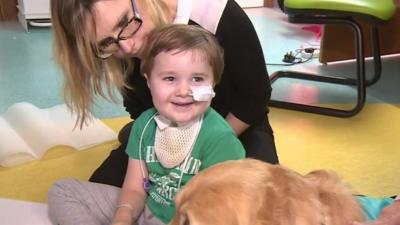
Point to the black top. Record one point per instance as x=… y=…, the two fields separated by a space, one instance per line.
x=244 y=88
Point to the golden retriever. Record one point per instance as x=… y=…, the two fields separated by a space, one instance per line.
x=252 y=192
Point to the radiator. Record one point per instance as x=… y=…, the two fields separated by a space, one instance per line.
x=34 y=13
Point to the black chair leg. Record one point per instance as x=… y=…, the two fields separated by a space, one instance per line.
x=376 y=56
x=360 y=81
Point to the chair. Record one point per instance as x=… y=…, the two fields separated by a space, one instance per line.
x=345 y=12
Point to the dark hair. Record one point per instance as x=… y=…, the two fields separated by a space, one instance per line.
x=182 y=37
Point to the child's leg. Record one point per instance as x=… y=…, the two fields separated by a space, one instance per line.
x=79 y=202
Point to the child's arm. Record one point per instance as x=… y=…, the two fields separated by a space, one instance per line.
x=132 y=197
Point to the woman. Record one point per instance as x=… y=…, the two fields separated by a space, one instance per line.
x=98 y=44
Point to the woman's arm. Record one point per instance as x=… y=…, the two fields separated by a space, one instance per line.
x=237 y=125
x=132 y=197
x=244 y=89
x=137 y=97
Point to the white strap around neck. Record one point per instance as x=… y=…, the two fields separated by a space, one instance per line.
x=174 y=144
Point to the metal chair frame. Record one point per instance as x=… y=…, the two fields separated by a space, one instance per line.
x=360 y=81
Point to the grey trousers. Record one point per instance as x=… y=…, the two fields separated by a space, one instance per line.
x=74 y=202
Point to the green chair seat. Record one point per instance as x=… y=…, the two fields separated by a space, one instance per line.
x=379 y=9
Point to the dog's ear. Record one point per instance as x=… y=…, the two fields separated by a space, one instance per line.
x=182 y=204
x=181 y=217
x=213 y=207
x=207 y=206
x=185 y=221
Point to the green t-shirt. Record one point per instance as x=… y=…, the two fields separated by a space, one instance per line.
x=215 y=143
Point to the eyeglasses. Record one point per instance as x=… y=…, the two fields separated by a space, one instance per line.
x=108 y=47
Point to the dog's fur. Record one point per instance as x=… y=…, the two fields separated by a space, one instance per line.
x=251 y=192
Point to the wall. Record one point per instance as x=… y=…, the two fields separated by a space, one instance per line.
x=250 y=3
x=343 y=48
x=8 y=9
x=256 y=3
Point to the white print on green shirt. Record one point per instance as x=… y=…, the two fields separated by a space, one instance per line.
x=166 y=185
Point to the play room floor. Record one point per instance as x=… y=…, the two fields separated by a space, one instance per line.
x=364 y=149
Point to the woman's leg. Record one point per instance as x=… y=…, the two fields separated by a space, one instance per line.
x=259 y=143
x=112 y=170
x=73 y=202
x=390 y=215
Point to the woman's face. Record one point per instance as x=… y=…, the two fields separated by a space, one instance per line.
x=111 y=16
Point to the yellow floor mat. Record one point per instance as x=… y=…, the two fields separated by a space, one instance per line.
x=363 y=149
x=32 y=180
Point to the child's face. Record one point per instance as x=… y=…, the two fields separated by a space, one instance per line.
x=170 y=83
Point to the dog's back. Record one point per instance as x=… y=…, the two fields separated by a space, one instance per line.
x=252 y=192
x=337 y=199
x=319 y=198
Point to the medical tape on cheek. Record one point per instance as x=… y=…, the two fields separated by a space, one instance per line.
x=202 y=93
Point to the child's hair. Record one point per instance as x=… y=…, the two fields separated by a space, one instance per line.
x=179 y=38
